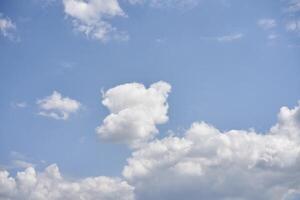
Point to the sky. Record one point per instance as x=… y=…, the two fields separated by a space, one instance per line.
x=150 y=99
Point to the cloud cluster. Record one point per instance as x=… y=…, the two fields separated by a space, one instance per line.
x=57 y=107
x=7 y=27
x=50 y=185
x=210 y=164
x=91 y=18
x=203 y=163
x=135 y=112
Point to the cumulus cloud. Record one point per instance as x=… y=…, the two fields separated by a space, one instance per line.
x=7 y=27
x=203 y=163
x=208 y=163
x=92 y=18
x=267 y=23
x=51 y=185
x=58 y=107
x=134 y=112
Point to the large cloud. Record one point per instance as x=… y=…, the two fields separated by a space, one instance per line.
x=209 y=164
x=50 y=185
x=203 y=163
x=135 y=112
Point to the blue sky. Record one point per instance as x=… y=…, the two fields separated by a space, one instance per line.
x=230 y=63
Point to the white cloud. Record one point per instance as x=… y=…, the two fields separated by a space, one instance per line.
x=50 y=185
x=204 y=162
x=58 y=107
x=91 y=18
x=230 y=38
x=211 y=164
x=267 y=23
x=135 y=112
x=7 y=27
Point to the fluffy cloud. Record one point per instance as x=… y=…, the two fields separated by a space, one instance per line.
x=267 y=23
x=135 y=112
x=49 y=184
x=91 y=18
x=7 y=27
x=211 y=164
x=204 y=162
x=58 y=107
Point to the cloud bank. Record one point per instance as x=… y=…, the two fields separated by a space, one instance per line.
x=203 y=163
x=50 y=185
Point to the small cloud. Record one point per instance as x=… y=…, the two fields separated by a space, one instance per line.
x=267 y=23
x=57 y=107
x=67 y=65
x=82 y=139
x=292 y=26
x=272 y=36
x=7 y=27
x=230 y=38
x=160 y=40
x=92 y=18
x=21 y=104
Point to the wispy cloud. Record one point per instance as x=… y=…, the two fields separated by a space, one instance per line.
x=293 y=25
x=167 y=3
x=21 y=104
x=267 y=23
x=230 y=38
x=224 y=38
x=293 y=6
